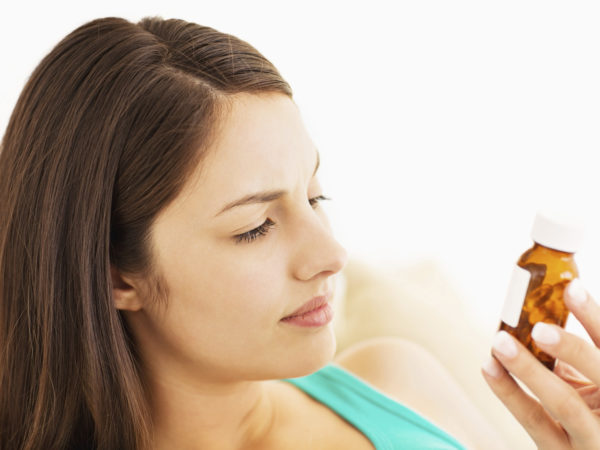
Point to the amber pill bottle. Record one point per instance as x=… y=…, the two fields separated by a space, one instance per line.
x=539 y=279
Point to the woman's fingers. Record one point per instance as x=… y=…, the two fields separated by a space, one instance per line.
x=583 y=306
x=566 y=415
x=571 y=349
x=591 y=396
x=545 y=432
x=571 y=375
x=561 y=400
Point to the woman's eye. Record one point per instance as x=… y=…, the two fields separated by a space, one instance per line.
x=315 y=200
x=263 y=229
x=253 y=234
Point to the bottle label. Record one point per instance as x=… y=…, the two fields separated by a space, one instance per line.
x=515 y=297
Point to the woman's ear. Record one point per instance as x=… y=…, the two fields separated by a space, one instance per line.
x=125 y=294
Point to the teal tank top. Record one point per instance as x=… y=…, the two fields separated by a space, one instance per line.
x=388 y=424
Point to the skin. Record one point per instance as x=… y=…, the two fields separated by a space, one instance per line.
x=213 y=357
x=565 y=412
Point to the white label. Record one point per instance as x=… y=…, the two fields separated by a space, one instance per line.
x=517 y=289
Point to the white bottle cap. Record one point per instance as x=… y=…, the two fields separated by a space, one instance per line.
x=556 y=230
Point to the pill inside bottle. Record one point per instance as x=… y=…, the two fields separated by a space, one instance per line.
x=538 y=282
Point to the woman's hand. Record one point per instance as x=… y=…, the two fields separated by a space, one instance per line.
x=566 y=413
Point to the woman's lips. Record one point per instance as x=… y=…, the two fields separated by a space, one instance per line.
x=314 y=313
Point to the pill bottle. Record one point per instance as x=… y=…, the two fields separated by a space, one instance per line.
x=539 y=279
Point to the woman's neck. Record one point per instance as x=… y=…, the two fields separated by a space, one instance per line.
x=225 y=416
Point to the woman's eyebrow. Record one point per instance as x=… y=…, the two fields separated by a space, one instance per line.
x=263 y=196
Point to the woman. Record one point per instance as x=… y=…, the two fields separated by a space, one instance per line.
x=166 y=266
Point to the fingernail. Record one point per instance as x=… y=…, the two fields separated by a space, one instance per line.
x=504 y=344
x=545 y=334
x=492 y=367
x=576 y=292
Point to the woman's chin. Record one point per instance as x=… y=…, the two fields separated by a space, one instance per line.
x=314 y=355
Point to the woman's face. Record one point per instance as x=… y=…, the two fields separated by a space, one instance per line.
x=227 y=296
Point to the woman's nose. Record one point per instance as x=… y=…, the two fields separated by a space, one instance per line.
x=317 y=250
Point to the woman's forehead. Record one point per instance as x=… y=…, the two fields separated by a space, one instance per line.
x=261 y=145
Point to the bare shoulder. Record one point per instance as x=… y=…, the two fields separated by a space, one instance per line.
x=390 y=364
x=408 y=373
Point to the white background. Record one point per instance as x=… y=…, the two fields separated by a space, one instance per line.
x=442 y=125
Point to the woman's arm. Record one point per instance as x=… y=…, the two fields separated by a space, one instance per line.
x=410 y=375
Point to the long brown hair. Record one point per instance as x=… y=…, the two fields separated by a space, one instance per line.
x=104 y=135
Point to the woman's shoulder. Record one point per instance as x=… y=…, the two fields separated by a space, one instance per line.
x=390 y=364
x=409 y=374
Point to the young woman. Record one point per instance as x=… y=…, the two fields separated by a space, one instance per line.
x=166 y=269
